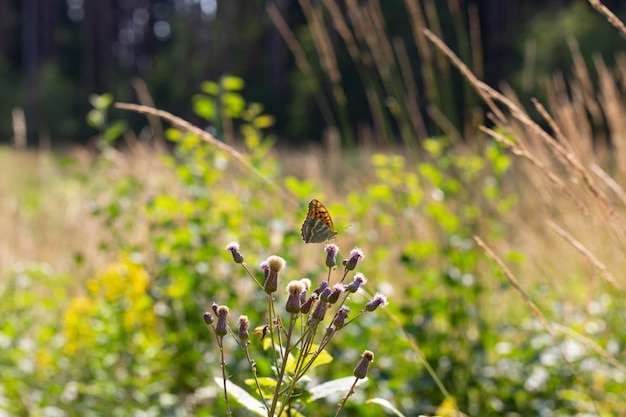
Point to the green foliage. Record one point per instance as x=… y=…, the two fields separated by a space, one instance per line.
x=132 y=339
x=98 y=119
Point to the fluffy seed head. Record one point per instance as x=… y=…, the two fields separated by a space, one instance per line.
x=295 y=289
x=274 y=264
x=221 y=328
x=244 y=324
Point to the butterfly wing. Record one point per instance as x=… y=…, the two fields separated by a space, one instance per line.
x=318 y=226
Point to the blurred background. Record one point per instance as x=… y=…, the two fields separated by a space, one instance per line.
x=55 y=53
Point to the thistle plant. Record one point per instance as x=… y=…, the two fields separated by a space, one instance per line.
x=298 y=329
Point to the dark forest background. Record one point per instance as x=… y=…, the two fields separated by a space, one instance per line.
x=55 y=53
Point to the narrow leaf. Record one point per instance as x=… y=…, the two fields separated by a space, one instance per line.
x=386 y=405
x=341 y=385
x=242 y=397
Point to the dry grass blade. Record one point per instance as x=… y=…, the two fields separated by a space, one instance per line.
x=592 y=345
x=582 y=249
x=424 y=361
x=618 y=24
x=554 y=179
x=207 y=137
x=511 y=278
x=610 y=182
x=480 y=87
x=570 y=160
x=533 y=307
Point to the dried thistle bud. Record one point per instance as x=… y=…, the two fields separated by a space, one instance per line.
x=244 y=324
x=275 y=264
x=295 y=289
x=319 y=312
x=208 y=318
x=321 y=287
x=330 y=330
x=233 y=247
x=362 y=367
x=307 y=286
x=379 y=300
x=221 y=328
x=356 y=255
x=325 y=295
x=266 y=270
x=337 y=290
x=331 y=255
x=342 y=314
x=214 y=307
x=308 y=304
x=359 y=279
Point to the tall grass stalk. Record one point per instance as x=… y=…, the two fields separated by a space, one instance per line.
x=413 y=103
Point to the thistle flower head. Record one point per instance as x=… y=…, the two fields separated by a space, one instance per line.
x=233 y=247
x=307 y=283
x=337 y=290
x=359 y=279
x=330 y=330
x=265 y=268
x=221 y=328
x=356 y=255
x=379 y=300
x=340 y=319
x=319 y=312
x=321 y=287
x=244 y=324
x=307 y=286
x=325 y=294
x=295 y=289
x=308 y=304
x=362 y=367
x=208 y=318
x=274 y=265
x=331 y=254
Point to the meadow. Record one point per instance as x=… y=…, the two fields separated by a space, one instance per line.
x=500 y=257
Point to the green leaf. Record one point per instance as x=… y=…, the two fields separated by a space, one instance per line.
x=342 y=385
x=386 y=405
x=101 y=102
x=210 y=87
x=96 y=119
x=264 y=121
x=234 y=104
x=173 y=135
x=242 y=397
x=263 y=382
x=433 y=147
x=116 y=130
x=430 y=172
x=232 y=83
x=204 y=107
x=322 y=358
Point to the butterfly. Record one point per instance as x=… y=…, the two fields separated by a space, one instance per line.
x=318 y=226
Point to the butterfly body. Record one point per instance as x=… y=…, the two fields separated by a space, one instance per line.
x=318 y=225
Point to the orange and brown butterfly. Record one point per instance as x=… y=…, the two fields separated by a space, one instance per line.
x=261 y=331
x=318 y=226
